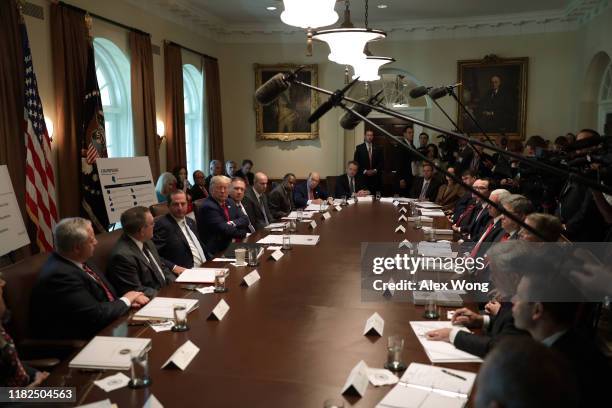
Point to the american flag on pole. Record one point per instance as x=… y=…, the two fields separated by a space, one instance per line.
x=40 y=181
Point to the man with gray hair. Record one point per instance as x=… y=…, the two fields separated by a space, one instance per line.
x=218 y=218
x=215 y=169
x=70 y=299
x=494 y=231
x=521 y=207
x=309 y=192
x=134 y=262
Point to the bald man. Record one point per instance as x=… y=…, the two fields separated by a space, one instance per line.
x=256 y=202
x=309 y=192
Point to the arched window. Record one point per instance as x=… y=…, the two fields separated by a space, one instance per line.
x=113 y=73
x=193 y=92
x=605 y=101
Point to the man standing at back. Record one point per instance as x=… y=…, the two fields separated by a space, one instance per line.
x=256 y=202
x=371 y=161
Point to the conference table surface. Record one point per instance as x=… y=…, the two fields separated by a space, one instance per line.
x=290 y=340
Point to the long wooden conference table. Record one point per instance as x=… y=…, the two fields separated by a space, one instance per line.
x=290 y=340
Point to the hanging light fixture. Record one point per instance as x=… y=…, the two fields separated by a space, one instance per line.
x=309 y=14
x=367 y=69
x=347 y=42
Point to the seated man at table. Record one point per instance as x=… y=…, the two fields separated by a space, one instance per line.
x=475 y=219
x=309 y=192
x=520 y=206
x=70 y=300
x=466 y=199
x=426 y=187
x=198 y=191
x=256 y=202
x=236 y=192
x=280 y=198
x=350 y=182
x=219 y=220
x=547 y=225
x=176 y=237
x=134 y=262
x=506 y=260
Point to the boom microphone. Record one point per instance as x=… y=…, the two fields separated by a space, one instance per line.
x=349 y=120
x=275 y=86
x=332 y=101
x=419 y=91
x=437 y=93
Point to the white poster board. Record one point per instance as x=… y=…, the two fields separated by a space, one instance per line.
x=126 y=182
x=13 y=234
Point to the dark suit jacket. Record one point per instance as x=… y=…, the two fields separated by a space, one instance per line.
x=432 y=190
x=300 y=194
x=171 y=243
x=465 y=160
x=249 y=177
x=280 y=202
x=197 y=193
x=478 y=224
x=67 y=303
x=579 y=213
x=404 y=158
x=496 y=233
x=374 y=182
x=343 y=188
x=588 y=364
x=447 y=196
x=500 y=326
x=463 y=202
x=215 y=231
x=129 y=269
x=253 y=209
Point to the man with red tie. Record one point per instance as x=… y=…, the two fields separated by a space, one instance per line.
x=70 y=299
x=494 y=231
x=521 y=207
x=370 y=159
x=309 y=192
x=219 y=219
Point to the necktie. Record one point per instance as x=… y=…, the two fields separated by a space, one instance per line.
x=352 y=184
x=423 y=194
x=465 y=213
x=481 y=240
x=226 y=211
x=153 y=263
x=19 y=378
x=263 y=209
x=100 y=282
x=195 y=247
x=370 y=153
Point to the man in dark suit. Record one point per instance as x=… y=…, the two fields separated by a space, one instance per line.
x=426 y=187
x=134 y=262
x=70 y=299
x=547 y=225
x=219 y=221
x=464 y=156
x=405 y=159
x=245 y=172
x=494 y=231
x=215 y=168
x=230 y=168
x=371 y=162
x=474 y=224
x=521 y=207
x=256 y=202
x=553 y=324
x=466 y=199
x=176 y=237
x=350 y=182
x=198 y=191
x=280 y=198
x=309 y=192
x=236 y=192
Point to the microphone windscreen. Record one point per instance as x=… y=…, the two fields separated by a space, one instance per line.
x=418 y=92
x=437 y=93
x=349 y=121
x=269 y=91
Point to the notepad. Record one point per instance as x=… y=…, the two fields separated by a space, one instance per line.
x=440 y=351
x=162 y=308
x=424 y=386
x=427 y=204
x=316 y=207
x=199 y=275
x=432 y=213
x=295 y=239
x=109 y=353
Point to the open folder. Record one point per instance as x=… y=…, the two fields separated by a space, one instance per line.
x=109 y=353
x=162 y=308
x=440 y=351
x=424 y=386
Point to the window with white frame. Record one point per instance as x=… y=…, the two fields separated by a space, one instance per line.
x=605 y=98
x=195 y=134
x=113 y=73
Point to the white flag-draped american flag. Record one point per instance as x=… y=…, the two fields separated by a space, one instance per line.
x=40 y=180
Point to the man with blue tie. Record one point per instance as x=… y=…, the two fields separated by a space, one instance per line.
x=219 y=220
x=176 y=236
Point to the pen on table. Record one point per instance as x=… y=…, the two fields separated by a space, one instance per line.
x=454 y=375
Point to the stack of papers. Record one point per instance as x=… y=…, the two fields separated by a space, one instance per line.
x=162 y=308
x=305 y=214
x=432 y=213
x=295 y=239
x=440 y=351
x=366 y=199
x=436 y=249
x=427 y=204
x=425 y=386
x=316 y=207
x=199 y=275
x=276 y=225
x=109 y=353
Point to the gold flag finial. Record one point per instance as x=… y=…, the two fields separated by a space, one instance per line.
x=20 y=6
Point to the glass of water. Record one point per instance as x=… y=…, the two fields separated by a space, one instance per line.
x=343 y=201
x=286 y=242
x=139 y=371
x=431 y=308
x=220 y=282
x=395 y=345
x=293 y=225
x=180 y=318
x=417 y=222
x=378 y=195
x=252 y=256
x=299 y=215
x=322 y=207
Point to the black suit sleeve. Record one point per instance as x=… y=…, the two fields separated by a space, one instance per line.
x=161 y=235
x=123 y=271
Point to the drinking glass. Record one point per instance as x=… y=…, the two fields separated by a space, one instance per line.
x=252 y=256
x=180 y=318
x=395 y=345
x=139 y=372
x=343 y=201
x=286 y=242
x=322 y=207
x=417 y=223
x=220 y=282
x=293 y=225
x=378 y=195
x=240 y=256
x=299 y=215
x=431 y=308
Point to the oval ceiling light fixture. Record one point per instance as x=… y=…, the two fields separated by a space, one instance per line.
x=347 y=42
x=367 y=69
x=309 y=14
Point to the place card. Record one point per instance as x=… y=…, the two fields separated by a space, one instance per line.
x=206 y=290
x=163 y=326
x=400 y=229
x=326 y=215
x=357 y=381
x=278 y=254
x=395 y=203
x=338 y=208
x=350 y=201
x=250 y=278
x=153 y=402
x=405 y=244
x=403 y=210
x=219 y=311
x=374 y=325
x=113 y=382
x=183 y=355
x=402 y=218
x=313 y=224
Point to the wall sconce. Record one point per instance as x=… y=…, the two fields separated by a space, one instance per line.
x=161 y=132
x=49 y=125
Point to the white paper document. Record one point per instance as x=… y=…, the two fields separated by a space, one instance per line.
x=199 y=275
x=440 y=351
x=435 y=249
x=295 y=239
x=432 y=213
x=387 y=199
x=109 y=353
x=113 y=382
x=183 y=355
x=162 y=308
x=305 y=214
x=430 y=386
x=316 y=207
x=224 y=260
x=276 y=225
x=427 y=204
x=366 y=199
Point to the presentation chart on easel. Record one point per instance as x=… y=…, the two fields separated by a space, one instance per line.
x=13 y=234
x=126 y=182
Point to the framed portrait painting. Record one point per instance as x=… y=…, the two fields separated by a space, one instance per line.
x=494 y=90
x=286 y=118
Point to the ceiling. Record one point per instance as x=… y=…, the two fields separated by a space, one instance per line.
x=253 y=12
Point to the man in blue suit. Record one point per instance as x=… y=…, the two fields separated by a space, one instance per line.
x=219 y=220
x=176 y=237
x=309 y=192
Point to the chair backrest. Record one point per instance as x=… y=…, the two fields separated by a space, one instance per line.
x=20 y=278
x=106 y=242
x=159 y=209
x=330 y=185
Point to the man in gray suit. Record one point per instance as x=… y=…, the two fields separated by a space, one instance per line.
x=280 y=199
x=134 y=262
x=256 y=203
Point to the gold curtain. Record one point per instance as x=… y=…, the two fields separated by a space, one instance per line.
x=213 y=106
